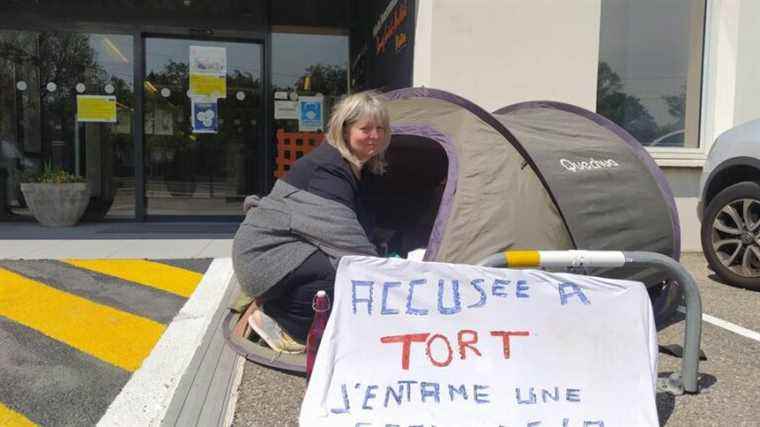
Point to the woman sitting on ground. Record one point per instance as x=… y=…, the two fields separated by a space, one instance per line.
x=289 y=244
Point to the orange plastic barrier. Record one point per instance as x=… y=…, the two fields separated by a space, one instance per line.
x=291 y=146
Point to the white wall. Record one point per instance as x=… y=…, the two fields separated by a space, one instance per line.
x=499 y=52
x=748 y=63
x=721 y=56
x=684 y=182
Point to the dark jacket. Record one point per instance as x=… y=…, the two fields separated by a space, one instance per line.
x=325 y=173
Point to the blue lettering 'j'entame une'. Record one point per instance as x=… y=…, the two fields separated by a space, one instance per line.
x=405 y=392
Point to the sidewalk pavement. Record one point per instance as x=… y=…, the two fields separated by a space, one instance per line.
x=117 y=240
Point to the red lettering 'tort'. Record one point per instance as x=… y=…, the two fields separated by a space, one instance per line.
x=466 y=339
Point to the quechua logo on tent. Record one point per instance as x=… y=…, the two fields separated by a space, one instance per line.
x=590 y=164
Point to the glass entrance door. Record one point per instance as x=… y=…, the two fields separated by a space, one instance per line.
x=201 y=141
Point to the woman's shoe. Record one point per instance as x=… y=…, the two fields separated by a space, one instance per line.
x=272 y=333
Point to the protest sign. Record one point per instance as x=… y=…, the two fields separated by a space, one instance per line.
x=420 y=343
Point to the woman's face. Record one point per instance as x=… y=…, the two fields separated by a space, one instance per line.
x=366 y=138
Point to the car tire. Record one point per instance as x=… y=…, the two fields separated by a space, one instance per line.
x=731 y=235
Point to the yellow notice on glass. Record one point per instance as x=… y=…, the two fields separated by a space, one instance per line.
x=208 y=85
x=96 y=108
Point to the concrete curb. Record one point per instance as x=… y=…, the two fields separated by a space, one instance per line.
x=145 y=399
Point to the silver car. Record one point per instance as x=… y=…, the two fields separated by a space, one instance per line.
x=729 y=206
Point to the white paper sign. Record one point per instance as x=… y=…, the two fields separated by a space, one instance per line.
x=208 y=60
x=285 y=110
x=413 y=343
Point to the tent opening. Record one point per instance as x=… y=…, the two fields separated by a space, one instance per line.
x=406 y=199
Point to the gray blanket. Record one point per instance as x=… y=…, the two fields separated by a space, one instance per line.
x=284 y=228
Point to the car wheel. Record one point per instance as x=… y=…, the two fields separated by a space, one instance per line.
x=731 y=235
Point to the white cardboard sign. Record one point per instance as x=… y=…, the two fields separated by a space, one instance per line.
x=413 y=343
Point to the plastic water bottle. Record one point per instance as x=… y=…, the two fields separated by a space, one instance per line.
x=321 y=305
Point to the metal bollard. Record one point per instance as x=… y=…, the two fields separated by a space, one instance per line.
x=678 y=383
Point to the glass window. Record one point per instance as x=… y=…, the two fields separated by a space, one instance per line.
x=650 y=69
x=306 y=67
x=190 y=169
x=41 y=75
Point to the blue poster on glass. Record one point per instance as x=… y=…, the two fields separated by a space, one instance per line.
x=310 y=113
x=205 y=116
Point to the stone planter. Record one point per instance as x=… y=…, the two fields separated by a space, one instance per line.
x=57 y=205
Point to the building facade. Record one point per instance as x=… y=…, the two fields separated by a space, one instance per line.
x=674 y=74
x=168 y=108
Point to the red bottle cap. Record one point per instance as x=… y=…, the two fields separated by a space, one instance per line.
x=321 y=301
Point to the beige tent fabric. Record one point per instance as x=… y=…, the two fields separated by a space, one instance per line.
x=499 y=202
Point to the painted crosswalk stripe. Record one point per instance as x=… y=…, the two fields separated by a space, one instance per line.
x=9 y=417
x=148 y=273
x=116 y=337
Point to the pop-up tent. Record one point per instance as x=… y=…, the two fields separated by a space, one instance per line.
x=537 y=175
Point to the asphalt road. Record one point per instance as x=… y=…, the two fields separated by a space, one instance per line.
x=73 y=332
x=729 y=378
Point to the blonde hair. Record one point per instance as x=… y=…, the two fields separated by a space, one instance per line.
x=349 y=111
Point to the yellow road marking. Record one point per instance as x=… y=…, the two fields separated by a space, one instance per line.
x=148 y=273
x=522 y=258
x=117 y=337
x=11 y=418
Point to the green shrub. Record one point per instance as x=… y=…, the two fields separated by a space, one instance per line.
x=52 y=175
